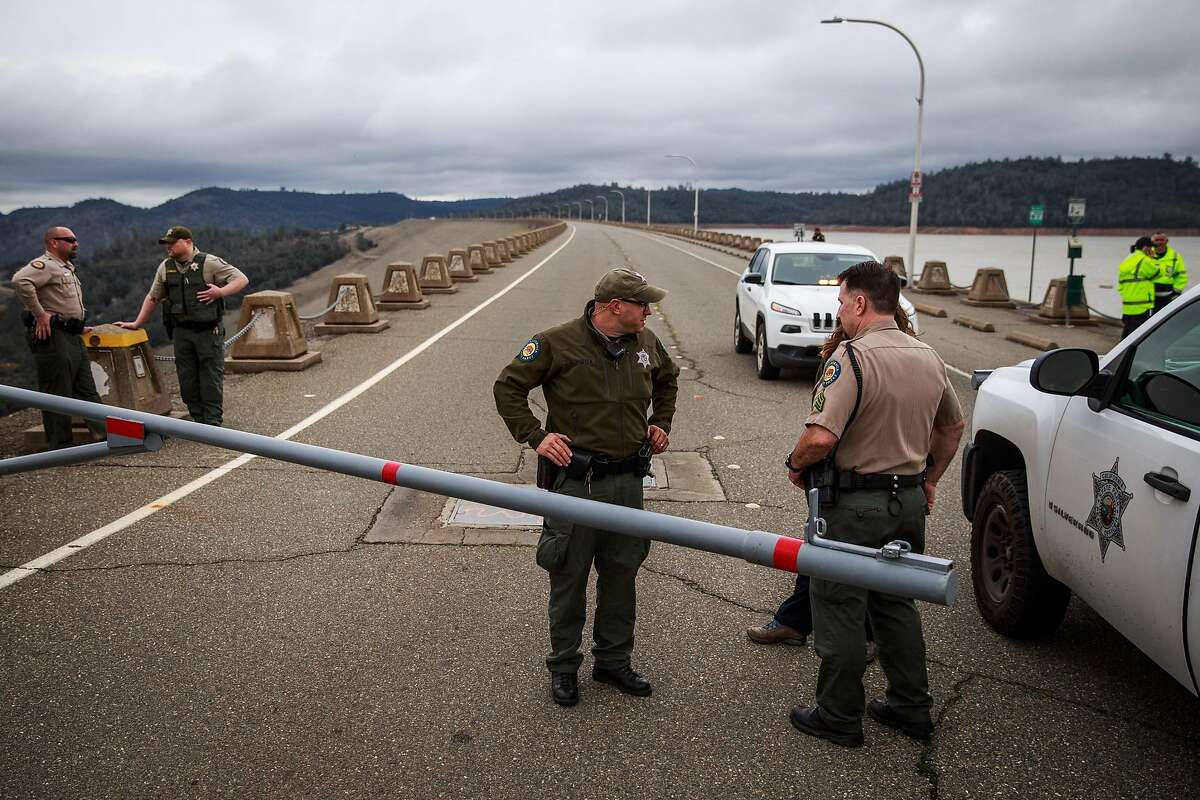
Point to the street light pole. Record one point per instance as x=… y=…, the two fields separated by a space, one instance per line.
x=576 y=202
x=605 y=199
x=618 y=191
x=592 y=206
x=647 y=206
x=696 y=205
x=914 y=196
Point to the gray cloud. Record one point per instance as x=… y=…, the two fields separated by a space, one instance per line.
x=484 y=99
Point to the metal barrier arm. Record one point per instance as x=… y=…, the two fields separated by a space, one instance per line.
x=124 y=437
x=817 y=559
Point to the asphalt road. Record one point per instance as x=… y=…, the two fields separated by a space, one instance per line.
x=244 y=640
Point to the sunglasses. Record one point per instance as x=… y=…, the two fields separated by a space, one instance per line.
x=645 y=306
x=70 y=239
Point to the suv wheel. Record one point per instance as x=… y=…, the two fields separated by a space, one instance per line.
x=762 y=359
x=741 y=343
x=1014 y=594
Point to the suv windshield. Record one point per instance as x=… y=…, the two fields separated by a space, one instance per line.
x=813 y=269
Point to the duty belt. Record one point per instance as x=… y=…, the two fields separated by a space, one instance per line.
x=852 y=481
x=195 y=326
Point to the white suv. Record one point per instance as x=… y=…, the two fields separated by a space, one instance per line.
x=786 y=302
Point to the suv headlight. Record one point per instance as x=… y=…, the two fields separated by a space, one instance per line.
x=782 y=309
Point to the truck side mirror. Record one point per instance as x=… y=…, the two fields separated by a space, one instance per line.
x=1067 y=371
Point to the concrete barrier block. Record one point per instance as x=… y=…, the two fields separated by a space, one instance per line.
x=457 y=266
x=502 y=251
x=350 y=295
x=477 y=261
x=401 y=290
x=935 y=279
x=990 y=288
x=1036 y=342
x=896 y=265
x=434 y=278
x=491 y=255
x=1054 y=306
x=930 y=311
x=276 y=337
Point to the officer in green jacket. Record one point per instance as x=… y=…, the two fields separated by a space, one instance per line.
x=1135 y=282
x=610 y=390
x=1172 y=279
x=192 y=287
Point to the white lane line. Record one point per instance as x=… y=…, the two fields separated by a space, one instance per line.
x=953 y=369
x=71 y=548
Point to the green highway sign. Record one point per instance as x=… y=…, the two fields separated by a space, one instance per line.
x=1036 y=214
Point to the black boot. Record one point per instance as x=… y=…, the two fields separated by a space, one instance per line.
x=564 y=688
x=625 y=679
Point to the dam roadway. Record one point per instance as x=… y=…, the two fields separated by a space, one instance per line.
x=260 y=629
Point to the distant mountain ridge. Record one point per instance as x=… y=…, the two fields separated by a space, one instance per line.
x=101 y=223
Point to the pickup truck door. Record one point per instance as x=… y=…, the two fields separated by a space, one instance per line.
x=1123 y=493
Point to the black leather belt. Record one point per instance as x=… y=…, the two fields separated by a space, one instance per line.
x=850 y=481
x=195 y=326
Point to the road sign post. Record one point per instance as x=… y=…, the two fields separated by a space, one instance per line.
x=1076 y=207
x=1037 y=214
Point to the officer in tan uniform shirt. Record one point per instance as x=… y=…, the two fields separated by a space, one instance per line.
x=888 y=421
x=53 y=299
x=191 y=286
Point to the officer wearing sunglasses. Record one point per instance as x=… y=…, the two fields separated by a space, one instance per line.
x=52 y=295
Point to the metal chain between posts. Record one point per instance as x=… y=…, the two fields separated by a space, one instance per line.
x=319 y=314
x=228 y=342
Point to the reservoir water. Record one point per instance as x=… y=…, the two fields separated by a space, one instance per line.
x=965 y=254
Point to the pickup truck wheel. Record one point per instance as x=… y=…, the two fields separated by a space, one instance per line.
x=741 y=342
x=1014 y=594
x=762 y=359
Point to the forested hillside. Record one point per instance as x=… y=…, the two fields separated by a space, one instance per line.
x=1120 y=193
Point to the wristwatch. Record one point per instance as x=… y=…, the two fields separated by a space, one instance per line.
x=787 y=462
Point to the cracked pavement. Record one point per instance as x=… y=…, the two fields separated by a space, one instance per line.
x=246 y=642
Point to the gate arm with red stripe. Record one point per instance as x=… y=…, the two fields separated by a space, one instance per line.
x=925 y=578
x=124 y=437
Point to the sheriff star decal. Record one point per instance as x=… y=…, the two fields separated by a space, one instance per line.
x=643 y=358
x=1111 y=500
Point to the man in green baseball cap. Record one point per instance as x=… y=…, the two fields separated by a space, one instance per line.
x=192 y=287
x=610 y=388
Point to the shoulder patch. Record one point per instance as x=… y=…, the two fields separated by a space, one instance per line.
x=38 y=264
x=530 y=352
x=832 y=372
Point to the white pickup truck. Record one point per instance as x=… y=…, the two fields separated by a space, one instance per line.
x=1079 y=477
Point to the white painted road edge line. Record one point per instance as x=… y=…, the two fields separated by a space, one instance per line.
x=87 y=540
x=949 y=368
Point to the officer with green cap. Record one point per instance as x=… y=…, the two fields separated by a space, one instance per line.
x=192 y=287
x=1136 y=276
x=885 y=425
x=610 y=390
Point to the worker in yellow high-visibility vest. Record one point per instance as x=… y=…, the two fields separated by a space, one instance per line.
x=1172 y=277
x=1135 y=282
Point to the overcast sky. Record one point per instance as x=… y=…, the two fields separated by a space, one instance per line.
x=142 y=101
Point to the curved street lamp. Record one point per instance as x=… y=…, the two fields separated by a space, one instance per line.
x=605 y=199
x=618 y=191
x=696 y=206
x=576 y=202
x=647 y=206
x=914 y=196
x=592 y=206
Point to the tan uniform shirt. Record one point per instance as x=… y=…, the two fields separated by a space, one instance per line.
x=49 y=285
x=217 y=271
x=905 y=393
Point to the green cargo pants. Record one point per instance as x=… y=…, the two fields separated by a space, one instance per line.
x=200 y=365
x=64 y=369
x=870 y=518
x=567 y=552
